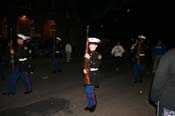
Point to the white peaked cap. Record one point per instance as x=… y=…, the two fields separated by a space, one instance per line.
x=23 y=36
x=93 y=40
x=58 y=38
x=27 y=37
x=142 y=37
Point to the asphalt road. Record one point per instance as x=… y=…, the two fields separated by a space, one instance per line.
x=62 y=94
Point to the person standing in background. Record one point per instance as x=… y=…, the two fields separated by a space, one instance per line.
x=57 y=56
x=139 y=59
x=68 y=51
x=157 y=53
x=117 y=52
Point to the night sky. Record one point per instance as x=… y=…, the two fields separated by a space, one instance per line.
x=154 y=18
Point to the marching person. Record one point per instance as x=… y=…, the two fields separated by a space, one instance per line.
x=163 y=87
x=94 y=59
x=57 y=56
x=139 y=61
x=21 y=55
x=117 y=52
x=68 y=51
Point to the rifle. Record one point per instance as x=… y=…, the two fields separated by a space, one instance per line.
x=11 y=48
x=86 y=61
x=138 y=52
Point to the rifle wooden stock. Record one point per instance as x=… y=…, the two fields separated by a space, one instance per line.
x=86 y=61
x=12 y=55
x=11 y=48
x=138 y=53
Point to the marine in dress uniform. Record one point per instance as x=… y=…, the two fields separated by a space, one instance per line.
x=139 y=60
x=21 y=55
x=94 y=63
x=57 y=56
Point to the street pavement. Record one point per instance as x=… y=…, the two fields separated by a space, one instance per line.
x=62 y=94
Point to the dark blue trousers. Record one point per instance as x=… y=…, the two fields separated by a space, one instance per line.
x=25 y=79
x=57 y=64
x=138 y=72
x=90 y=95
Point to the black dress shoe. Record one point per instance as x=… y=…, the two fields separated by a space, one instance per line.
x=86 y=108
x=27 y=92
x=92 y=109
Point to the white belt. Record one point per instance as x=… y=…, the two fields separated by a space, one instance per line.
x=57 y=51
x=93 y=69
x=22 y=59
x=142 y=55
